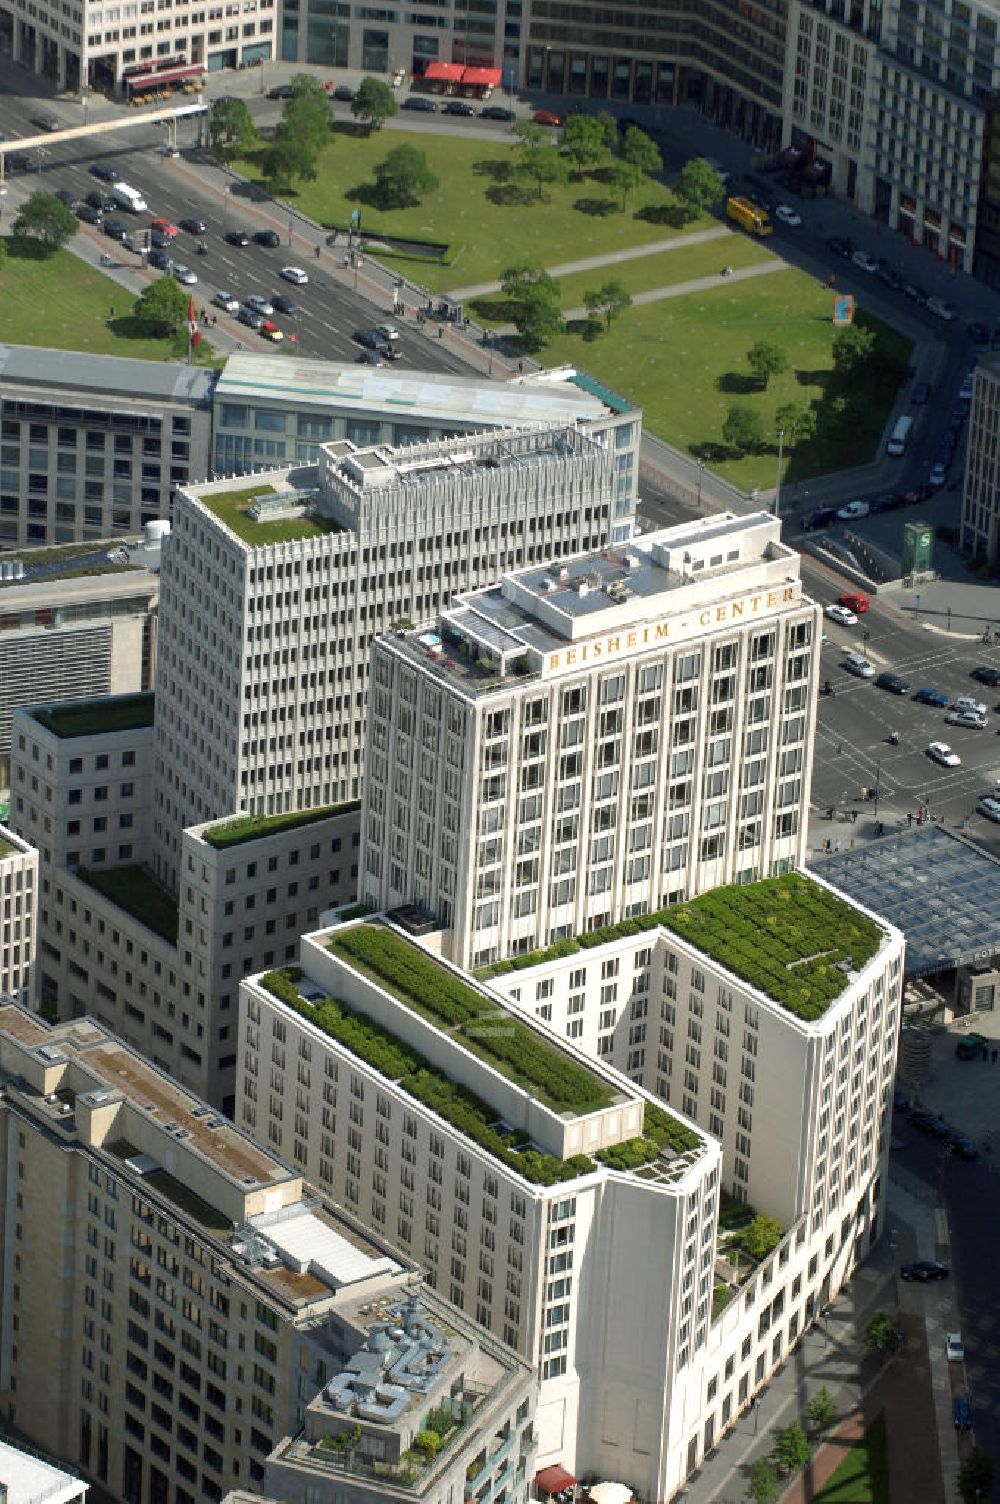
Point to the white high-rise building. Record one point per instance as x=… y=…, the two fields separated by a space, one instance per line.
x=592 y=1227
x=594 y=737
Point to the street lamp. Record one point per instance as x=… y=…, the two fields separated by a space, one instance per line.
x=777 y=480
x=701 y=472
x=289 y=227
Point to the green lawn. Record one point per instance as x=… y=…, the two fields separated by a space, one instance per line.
x=136 y=891
x=664 y=268
x=468 y=211
x=863 y=1476
x=61 y=302
x=233 y=508
x=684 y=361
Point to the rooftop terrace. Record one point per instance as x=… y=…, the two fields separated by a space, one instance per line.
x=136 y=891
x=237 y=505
x=97 y=717
x=243 y=828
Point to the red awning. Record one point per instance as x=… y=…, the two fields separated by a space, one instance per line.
x=444 y=73
x=168 y=76
x=552 y=1480
x=482 y=78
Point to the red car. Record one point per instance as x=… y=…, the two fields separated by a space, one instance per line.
x=164 y=226
x=546 y=117
x=858 y=603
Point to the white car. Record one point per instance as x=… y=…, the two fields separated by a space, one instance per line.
x=184 y=274
x=942 y=753
x=387 y=331
x=989 y=806
x=856 y=664
x=787 y=215
x=966 y=702
x=966 y=718
x=227 y=302
x=853 y=509
x=955 y=1348
x=843 y=615
x=867 y=263
x=294 y=274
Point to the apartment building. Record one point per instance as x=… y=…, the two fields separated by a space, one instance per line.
x=206 y=1293
x=566 y=1205
x=270 y=596
x=18 y=916
x=268 y=408
x=829 y=89
x=77 y=625
x=980 y=527
x=594 y=737
x=92 y=446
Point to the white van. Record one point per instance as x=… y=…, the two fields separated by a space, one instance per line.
x=128 y=198
x=900 y=436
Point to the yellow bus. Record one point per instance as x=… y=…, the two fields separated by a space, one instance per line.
x=746 y=214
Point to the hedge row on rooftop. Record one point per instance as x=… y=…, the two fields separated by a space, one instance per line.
x=387 y=1054
x=660 y=1130
x=244 y=828
x=505 y=1042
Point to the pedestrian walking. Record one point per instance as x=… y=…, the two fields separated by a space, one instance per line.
x=854 y=817
x=909 y=818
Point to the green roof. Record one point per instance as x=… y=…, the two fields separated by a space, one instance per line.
x=96 y=717
x=6 y=847
x=233 y=507
x=787 y=936
x=243 y=828
x=136 y=891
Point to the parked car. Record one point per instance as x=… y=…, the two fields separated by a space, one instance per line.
x=840 y=246
x=900 y=1101
x=866 y=262
x=457 y=107
x=938 y=473
x=418 y=102
x=281 y=91
x=890 y=276
x=496 y=112
x=894 y=683
x=924 y=1271
x=237 y=237
x=966 y=718
x=387 y=331
x=295 y=275
x=857 y=664
x=927 y=1122
x=854 y=601
x=88 y=214
x=787 y=215
x=955 y=1347
x=989 y=806
x=184 y=274
x=966 y=702
x=987 y=675
x=970 y=1046
x=853 y=509
x=941 y=752
x=68 y=197
x=259 y=304
x=227 y=301
x=963 y=1146
x=194 y=226
x=842 y=615
x=47 y=122
x=104 y=172
x=269 y=238
x=821 y=517
x=344 y=93
x=920 y=394
x=961 y=1409
x=935 y=697
x=941 y=309
x=115 y=229
x=547 y=117
x=251 y=318
x=159 y=260
x=916 y=293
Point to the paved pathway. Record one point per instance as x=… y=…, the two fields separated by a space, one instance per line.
x=609 y=258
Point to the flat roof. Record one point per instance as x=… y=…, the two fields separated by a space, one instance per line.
x=71 y=718
x=940 y=889
x=428 y=395
x=104 y=375
x=313 y=1245
x=29 y=1480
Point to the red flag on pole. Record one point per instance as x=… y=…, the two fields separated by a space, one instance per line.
x=194 y=333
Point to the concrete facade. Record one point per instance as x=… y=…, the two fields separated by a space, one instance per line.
x=18 y=916
x=980 y=526
x=594 y=739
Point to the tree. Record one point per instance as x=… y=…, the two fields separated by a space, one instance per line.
x=47 y=220
x=374 y=103
x=764 y=1233
x=641 y=151
x=698 y=186
x=626 y=177
x=762 y=1487
x=534 y=300
x=765 y=360
x=822 y=1409
x=880 y=1333
x=583 y=141
x=975 y=1480
x=231 y=129
x=428 y=1442
x=609 y=130
x=743 y=430
x=607 y=301
x=289 y=157
x=306 y=116
x=851 y=349
x=404 y=177
x=161 y=308
x=791 y=1448
x=796 y=422
x=536 y=159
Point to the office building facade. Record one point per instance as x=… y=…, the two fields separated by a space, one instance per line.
x=594 y=738
x=18 y=916
x=979 y=537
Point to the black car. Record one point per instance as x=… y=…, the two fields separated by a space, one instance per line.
x=961 y=1409
x=900 y=1101
x=889 y=275
x=417 y=102
x=19 y=161
x=281 y=91
x=193 y=226
x=160 y=260
x=882 y=504
x=68 y=197
x=894 y=683
x=105 y=173
x=370 y=339
x=496 y=112
x=916 y=293
x=926 y=1269
x=990 y=676
x=282 y=303
x=237 y=237
x=267 y=237
x=344 y=93
x=926 y=1122
x=963 y=1146
x=458 y=107
x=89 y=214
x=821 y=517
x=116 y=229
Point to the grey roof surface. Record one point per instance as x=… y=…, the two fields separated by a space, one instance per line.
x=114 y=375
x=940 y=889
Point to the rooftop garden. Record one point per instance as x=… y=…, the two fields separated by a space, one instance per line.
x=786 y=936
x=6 y=847
x=541 y=1068
x=660 y=1130
x=96 y=717
x=243 y=828
x=233 y=508
x=136 y=891
x=399 y=1063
